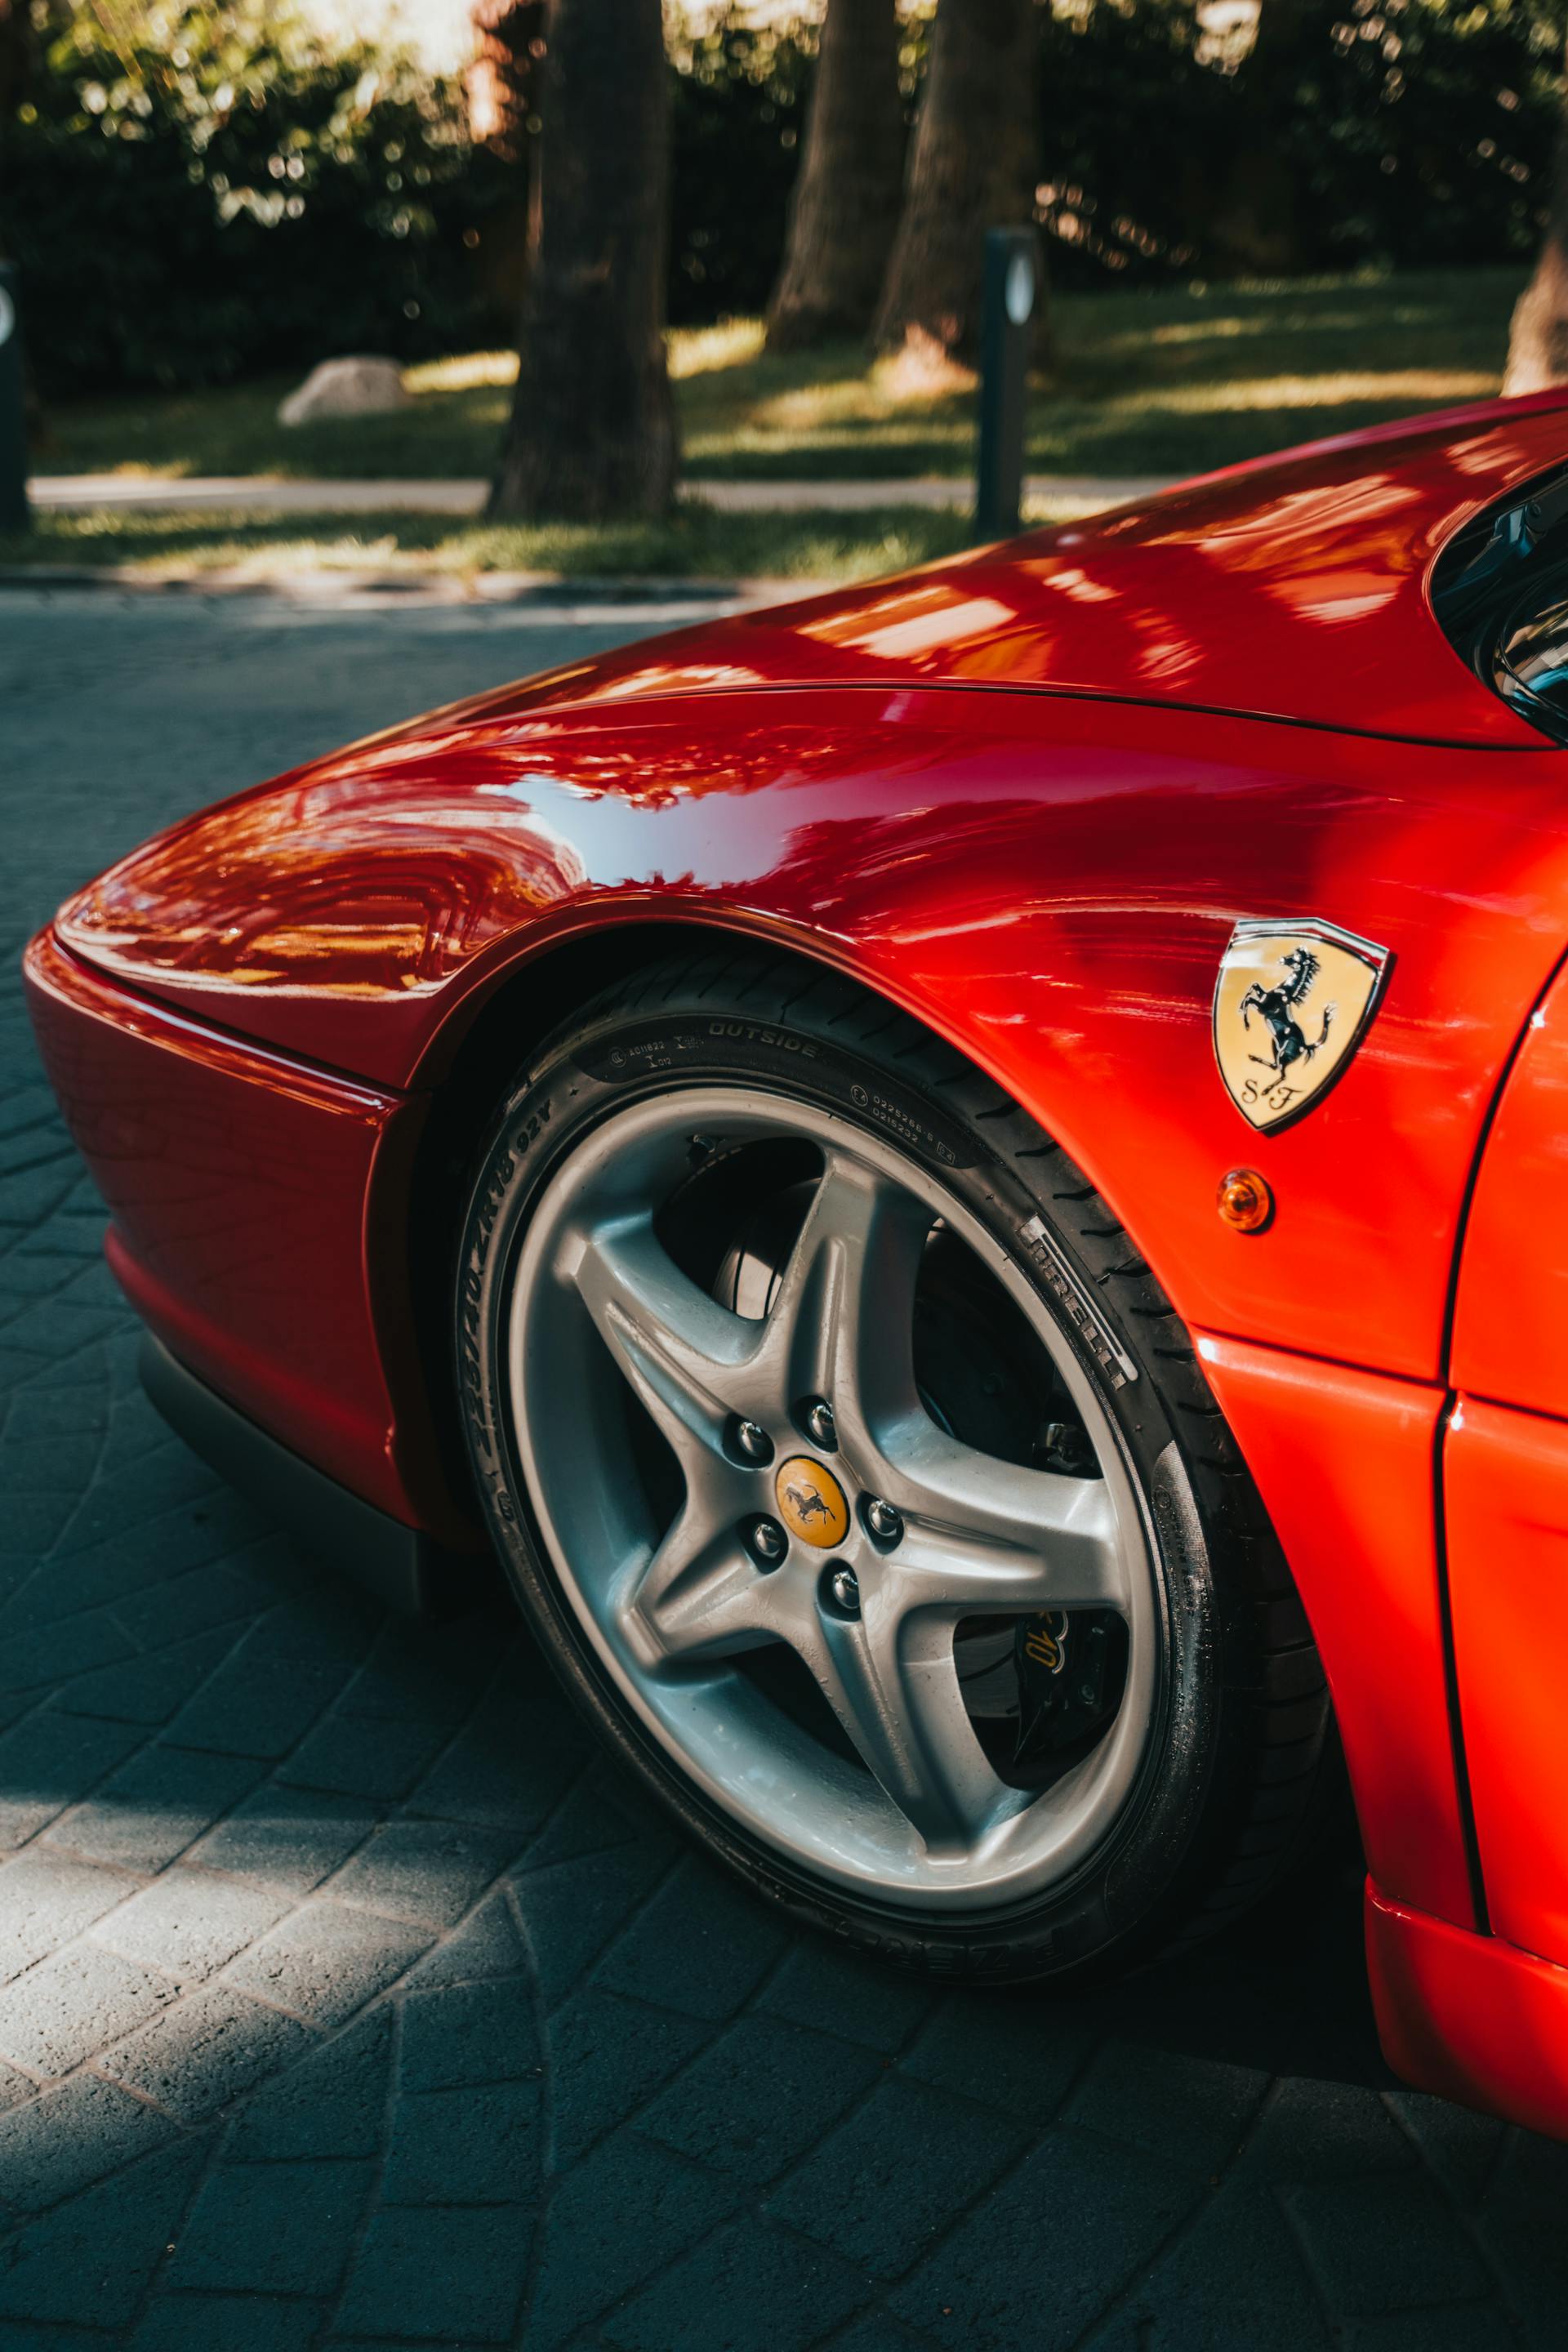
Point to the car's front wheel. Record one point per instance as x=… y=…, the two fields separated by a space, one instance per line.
x=864 y=1487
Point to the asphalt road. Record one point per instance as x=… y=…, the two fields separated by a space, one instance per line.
x=347 y=1997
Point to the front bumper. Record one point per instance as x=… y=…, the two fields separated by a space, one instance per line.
x=404 y=1567
x=258 y=1210
x=1469 y=2017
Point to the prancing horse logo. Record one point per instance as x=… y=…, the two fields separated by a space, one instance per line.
x=1290 y=1005
x=811 y=1502
x=1288 y=1040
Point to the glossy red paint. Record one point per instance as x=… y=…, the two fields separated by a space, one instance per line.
x=238 y=1183
x=1049 y=883
x=1289 y=586
x=1019 y=795
x=1511 y=1322
x=1506 y=1476
x=1469 y=2017
x=1344 y=1461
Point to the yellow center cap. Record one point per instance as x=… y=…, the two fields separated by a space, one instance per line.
x=811 y=1502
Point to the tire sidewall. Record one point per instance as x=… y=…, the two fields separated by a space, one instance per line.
x=1120 y=1900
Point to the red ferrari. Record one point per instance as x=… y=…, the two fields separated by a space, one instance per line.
x=966 y=1181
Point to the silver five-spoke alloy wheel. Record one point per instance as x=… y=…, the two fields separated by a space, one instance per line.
x=812 y=1508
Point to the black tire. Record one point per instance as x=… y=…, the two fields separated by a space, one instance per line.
x=1237 y=1752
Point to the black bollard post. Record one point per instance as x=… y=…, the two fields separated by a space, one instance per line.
x=13 y=515
x=1011 y=293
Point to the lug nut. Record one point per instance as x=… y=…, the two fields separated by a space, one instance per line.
x=767 y=1542
x=820 y=1425
x=843 y=1587
x=753 y=1442
x=885 y=1523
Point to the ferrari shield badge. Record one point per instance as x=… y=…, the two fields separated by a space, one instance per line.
x=1290 y=1006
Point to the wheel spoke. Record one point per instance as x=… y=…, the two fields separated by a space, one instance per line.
x=981 y=1533
x=675 y=1346
x=701 y=1595
x=891 y=1679
x=842 y=1323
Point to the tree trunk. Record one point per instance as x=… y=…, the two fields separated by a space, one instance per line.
x=16 y=55
x=593 y=424
x=974 y=166
x=1538 y=331
x=501 y=86
x=844 y=211
x=1258 y=226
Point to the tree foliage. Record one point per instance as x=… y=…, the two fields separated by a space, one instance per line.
x=216 y=195
x=211 y=194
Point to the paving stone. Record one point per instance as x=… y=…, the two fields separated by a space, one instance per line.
x=339 y=1756
x=46 y=1899
x=881 y=2185
x=273 y=2229
x=290 y=1837
x=148 y=1687
x=330 y=2103
x=154 y=1807
x=57 y=1761
x=748 y=2289
x=456 y=2274
x=1322 y=2131
x=326 y=1959
x=222 y=2323
x=865 y=2003
x=486 y=1945
x=92 y=2259
x=509 y=1768
x=481 y=2145
x=257 y=1706
x=422 y=1870
x=1014 y=2052
x=761 y=2096
x=1235 y=2279
x=701 y=1945
x=1191 y=2111
x=1080 y=2190
x=1464 y=2149
x=574 y=1908
x=627 y=2212
x=204 y=2051
x=60 y=2013
x=15 y=2087
x=607 y=2055
x=1377 y=2243
x=56 y=1654
x=72 y=2136
x=469 y=2034
x=189 y=1922
x=1469 y=2327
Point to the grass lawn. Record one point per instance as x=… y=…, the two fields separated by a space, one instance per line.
x=1169 y=383
x=695 y=543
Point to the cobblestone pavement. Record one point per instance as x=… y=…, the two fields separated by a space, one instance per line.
x=346 y=1998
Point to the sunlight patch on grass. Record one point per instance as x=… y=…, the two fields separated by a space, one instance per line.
x=706 y=351
x=1170 y=380
x=694 y=543
x=1345 y=387
x=465 y=372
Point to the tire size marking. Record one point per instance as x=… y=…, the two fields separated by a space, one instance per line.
x=754 y=1049
x=1078 y=1304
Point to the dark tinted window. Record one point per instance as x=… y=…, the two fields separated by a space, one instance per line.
x=1533 y=652
x=1501 y=591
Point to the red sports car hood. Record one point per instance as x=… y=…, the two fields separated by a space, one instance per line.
x=1291 y=588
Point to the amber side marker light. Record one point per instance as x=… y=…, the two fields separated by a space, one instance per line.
x=1245 y=1203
